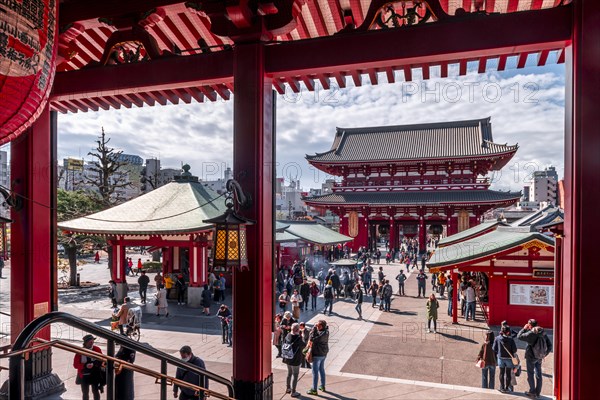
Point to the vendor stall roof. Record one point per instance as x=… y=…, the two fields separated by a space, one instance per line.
x=343 y=262
x=315 y=233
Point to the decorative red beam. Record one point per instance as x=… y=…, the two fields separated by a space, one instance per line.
x=459 y=39
x=164 y=73
x=455 y=39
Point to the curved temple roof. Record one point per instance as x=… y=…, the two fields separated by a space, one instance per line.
x=414 y=197
x=493 y=242
x=175 y=208
x=442 y=140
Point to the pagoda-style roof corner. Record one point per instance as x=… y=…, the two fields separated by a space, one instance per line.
x=416 y=143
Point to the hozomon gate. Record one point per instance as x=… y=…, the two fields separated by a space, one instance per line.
x=114 y=53
x=412 y=176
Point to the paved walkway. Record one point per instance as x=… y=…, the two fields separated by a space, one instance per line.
x=386 y=356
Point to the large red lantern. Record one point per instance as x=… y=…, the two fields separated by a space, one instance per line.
x=28 y=37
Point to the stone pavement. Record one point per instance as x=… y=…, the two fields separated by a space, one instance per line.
x=386 y=356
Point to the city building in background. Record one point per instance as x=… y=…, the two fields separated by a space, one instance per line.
x=154 y=176
x=545 y=186
x=219 y=184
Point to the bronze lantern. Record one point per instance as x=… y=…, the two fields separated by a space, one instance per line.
x=229 y=237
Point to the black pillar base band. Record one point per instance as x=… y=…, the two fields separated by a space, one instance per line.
x=262 y=390
x=39 y=387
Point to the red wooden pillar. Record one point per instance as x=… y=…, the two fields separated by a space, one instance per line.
x=579 y=352
x=454 y=300
x=558 y=294
x=118 y=265
x=33 y=246
x=253 y=167
x=422 y=235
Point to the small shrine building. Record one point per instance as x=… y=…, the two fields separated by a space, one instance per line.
x=513 y=267
x=403 y=180
x=171 y=218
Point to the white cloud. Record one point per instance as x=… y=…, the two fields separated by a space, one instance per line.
x=526 y=108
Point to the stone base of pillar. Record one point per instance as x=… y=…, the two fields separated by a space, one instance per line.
x=121 y=291
x=194 y=297
x=38 y=388
x=44 y=382
x=254 y=390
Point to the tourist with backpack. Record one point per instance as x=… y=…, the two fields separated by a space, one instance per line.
x=318 y=345
x=291 y=353
x=538 y=347
x=321 y=278
x=328 y=296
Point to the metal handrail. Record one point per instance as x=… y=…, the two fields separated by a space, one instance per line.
x=118 y=363
x=16 y=362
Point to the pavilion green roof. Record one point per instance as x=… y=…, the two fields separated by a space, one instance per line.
x=175 y=208
x=313 y=232
x=503 y=238
x=468 y=233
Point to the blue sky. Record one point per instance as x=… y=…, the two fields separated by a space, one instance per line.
x=526 y=106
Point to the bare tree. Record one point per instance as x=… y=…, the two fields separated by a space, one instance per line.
x=107 y=173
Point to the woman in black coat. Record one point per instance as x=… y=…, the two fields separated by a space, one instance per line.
x=124 y=377
x=206 y=300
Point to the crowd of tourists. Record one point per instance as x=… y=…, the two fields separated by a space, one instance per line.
x=501 y=352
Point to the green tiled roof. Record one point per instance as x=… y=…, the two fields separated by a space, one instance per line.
x=467 y=233
x=503 y=238
x=175 y=208
x=281 y=237
x=413 y=142
x=280 y=226
x=315 y=233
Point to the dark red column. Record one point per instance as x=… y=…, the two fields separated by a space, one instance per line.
x=454 y=298
x=253 y=168
x=422 y=235
x=580 y=352
x=33 y=247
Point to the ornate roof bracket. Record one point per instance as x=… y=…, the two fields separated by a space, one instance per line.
x=385 y=14
x=246 y=21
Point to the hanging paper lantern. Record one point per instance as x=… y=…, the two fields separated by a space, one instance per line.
x=436 y=229
x=28 y=30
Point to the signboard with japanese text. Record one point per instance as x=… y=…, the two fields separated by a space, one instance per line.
x=531 y=295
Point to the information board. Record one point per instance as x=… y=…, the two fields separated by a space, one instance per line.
x=532 y=295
